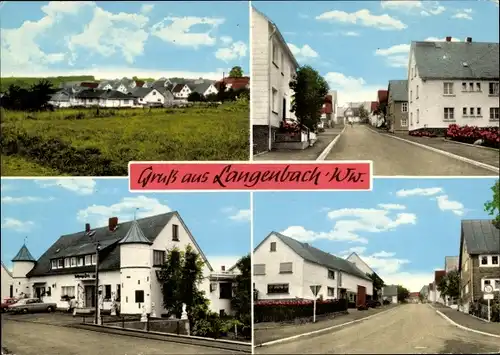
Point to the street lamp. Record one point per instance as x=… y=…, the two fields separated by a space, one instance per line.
x=96 y=295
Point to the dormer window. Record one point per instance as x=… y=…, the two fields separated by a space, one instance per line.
x=80 y=261
x=73 y=262
x=94 y=259
x=67 y=262
x=54 y=264
x=60 y=263
x=88 y=260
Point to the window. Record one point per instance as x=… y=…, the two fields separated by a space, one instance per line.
x=471 y=87
x=67 y=262
x=60 y=263
x=54 y=264
x=80 y=261
x=489 y=260
x=417 y=91
x=68 y=291
x=418 y=115
x=277 y=289
x=107 y=292
x=464 y=86
x=464 y=111
x=404 y=107
x=158 y=257
x=331 y=292
x=94 y=259
x=275 y=53
x=175 y=232
x=139 y=296
x=411 y=95
x=478 y=111
x=404 y=122
x=154 y=93
x=472 y=111
x=282 y=63
x=225 y=290
x=331 y=274
x=449 y=113
x=493 y=89
x=494 y=260
x=448 y=88
x=467 y=289
x=286 y=268
x=493 y=113
x=118 y=292
x=73 y=262
x=484 y=260
x=273 y=246
x=478 y=86
x=259 y=269
x=88 y=260
x=275 y=101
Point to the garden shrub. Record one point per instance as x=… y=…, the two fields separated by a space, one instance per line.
x=281 y=311
x=470 y=134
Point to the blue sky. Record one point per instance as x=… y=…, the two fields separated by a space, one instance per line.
x=116 y=39
x=42 y=210
x=403 y=228
x=358 y=46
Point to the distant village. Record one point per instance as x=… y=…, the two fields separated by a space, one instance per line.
x=132 y=93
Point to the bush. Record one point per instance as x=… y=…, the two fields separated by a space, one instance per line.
x=386 y=302
x=280 y=311
x=422 y=133
x=470 y=134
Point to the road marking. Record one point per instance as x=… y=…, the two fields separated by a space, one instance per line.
x=463 y=327
x=321 y=330
x=442 y=152
x=420 y=347
x=330 y=145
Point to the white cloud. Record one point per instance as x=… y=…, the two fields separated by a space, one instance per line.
x=178 y=30
x=396 y=56
x=462 y=16
x=17 y=225
x=351 y=89
x=436 y=39
x=383 y=254
x=364 y=18
x=304 y=235
x=218 y=261
x=241 y=215
x=81 y=186
x=419 y=192
x=445 y=204
x=400 y=5
x=147 y=8
x=226 y=39
x=142 y=206
x=24 y=199
x=303 y=53
x=351 y=34
x=397 y=49
x=391 y=206
x=426 y=8
x=357 y=250
x=235 y=50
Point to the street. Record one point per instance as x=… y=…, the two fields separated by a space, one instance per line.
x=28 y=338
x=408 y=329
x=394 y=157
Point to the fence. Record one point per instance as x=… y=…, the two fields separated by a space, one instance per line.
x=162 y=325
x=286 y=311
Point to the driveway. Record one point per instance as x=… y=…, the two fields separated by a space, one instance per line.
x=408 y=329
x=394 y=157
x=31 y=338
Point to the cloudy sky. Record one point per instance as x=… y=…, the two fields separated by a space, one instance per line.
x=116 y=39
x=358 y=46
x=403 y=229
x=42 y=210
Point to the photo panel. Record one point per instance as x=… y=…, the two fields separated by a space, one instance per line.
x=85 y=257
x=410 y=85
x=413 y=263
x=89 y=86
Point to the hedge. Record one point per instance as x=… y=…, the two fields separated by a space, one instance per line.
x=282 y=311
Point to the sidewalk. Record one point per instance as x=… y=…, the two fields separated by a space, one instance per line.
x=310 y=153
x=263 y=333
x=481 y=155
x=469 y=321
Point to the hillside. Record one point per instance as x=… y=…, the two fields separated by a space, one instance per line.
x=27 y=82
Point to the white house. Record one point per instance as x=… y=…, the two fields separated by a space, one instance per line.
x=7 y=283
x=145 y=96
x=181 y=91
x=390 y=293
x=221 y=289
x=273 y=67
x=130 y=258
x=104 y=98
x=62 y=98
x=285 y=268
x=204 y=88
x=453 y=83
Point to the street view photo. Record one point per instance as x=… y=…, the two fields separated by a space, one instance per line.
x=411 y=267
x=129 y=273
x=411 y=85
x=87 y=86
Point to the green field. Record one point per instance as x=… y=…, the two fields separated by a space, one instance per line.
x=84 y=142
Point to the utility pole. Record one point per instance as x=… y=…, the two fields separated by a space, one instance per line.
x=97 y=309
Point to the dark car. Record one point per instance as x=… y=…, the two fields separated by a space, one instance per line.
x=362 y=307
x=7 y=303
x=373 y=304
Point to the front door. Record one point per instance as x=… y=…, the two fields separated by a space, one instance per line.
x=284 y=109
x=89 y=296
x=39 y=291
x=11 y=291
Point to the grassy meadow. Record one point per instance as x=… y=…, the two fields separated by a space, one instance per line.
x=87 y=142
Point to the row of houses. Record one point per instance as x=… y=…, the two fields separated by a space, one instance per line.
x=130 y=253
x=478 y=265
x=447 y=83
x=127 y=92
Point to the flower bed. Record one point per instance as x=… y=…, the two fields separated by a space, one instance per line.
x=282 y=311
x=469 y=134
x=423 y=133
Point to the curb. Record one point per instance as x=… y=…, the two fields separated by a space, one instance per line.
x=470 y=145
x=450 y=155
x=463 y=327
x=330 y=146
x=293 y=337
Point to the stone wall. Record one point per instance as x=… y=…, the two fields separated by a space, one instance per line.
x=261 y=138
x=172 y=326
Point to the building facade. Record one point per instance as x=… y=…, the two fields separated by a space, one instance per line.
x=7 y=283
x=397 y=105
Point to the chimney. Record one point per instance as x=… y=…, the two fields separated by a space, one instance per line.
x=468 y=40
x=112 y=223
x=87 y=227
x=448 y=39
x=223 y=268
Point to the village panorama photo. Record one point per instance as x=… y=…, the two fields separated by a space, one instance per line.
x=87 y=87
x=130 y=273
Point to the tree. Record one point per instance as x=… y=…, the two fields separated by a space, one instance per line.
x=449 y=285
x=310 y=90
x=403 y=294
x=363 y=114
x=421 y=297
x=493 y=206
x=242 y=292
x=378 y=284
x=236 y=72
x=195 y=97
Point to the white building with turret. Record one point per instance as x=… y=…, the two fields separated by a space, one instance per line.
x=130 y=256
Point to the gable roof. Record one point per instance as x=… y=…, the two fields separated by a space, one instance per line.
x=24 y=255
x=178 y=87
x=356 y=254
x=480 y=236
x=382 y=95
x=445 y=60
x=201 y=87
x=102 y=94
x=236 y=83
x=109 y=256
x=398 y=90
x=373 y=106
x=140 y=91
x=319 y=257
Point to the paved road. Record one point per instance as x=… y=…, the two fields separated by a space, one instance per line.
x=393 y=157
x=27 y=338
x=409 y=329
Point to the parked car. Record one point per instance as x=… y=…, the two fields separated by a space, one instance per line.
x=362 y=307
x=373 y=304
x=386 y=302
x=7 y=303
x=32 y=305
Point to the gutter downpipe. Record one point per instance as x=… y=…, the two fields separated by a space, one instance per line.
x=270 y=90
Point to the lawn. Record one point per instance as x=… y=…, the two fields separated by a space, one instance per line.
x=84 y=142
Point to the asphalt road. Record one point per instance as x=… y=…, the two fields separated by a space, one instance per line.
x=394 y=157
x=409 y=329
x=27 y=338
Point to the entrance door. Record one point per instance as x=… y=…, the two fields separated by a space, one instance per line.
x=39 y=291
x=89 y=296
x=284 y=109
x=11 y=291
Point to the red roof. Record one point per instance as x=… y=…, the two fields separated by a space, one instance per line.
x=374 y=106
x=236 y=83
x=89 y=85
x=139 y=83
x=382 y=95
x=414 y=294
x=328 y=105
x=438 y=275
